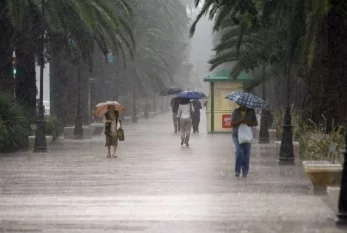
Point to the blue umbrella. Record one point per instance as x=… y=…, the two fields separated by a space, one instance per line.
x=170 y=91
x=247 y=99
x=189 y=95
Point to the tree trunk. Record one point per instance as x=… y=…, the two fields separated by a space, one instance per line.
x=26 y=78
x=6 y=77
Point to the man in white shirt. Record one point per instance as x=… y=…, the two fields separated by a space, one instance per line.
x=185 y=111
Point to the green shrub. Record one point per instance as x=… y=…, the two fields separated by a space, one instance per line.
x=14 y=126
x=315 y=144
x=299 y=122
x=53 y=126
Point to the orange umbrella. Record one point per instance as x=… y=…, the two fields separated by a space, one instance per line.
x=101 y=108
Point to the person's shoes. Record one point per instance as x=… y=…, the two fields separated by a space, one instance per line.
x=114 y=155
x=244 y=176
x=182 y=140
x=175 y=131
x=108 y=155
x=237 y=174
x=187 y=143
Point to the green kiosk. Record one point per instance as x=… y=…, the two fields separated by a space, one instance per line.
x=219 y=109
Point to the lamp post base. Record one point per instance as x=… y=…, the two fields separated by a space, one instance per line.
x=341 y=219
x=284 y=161
x=40 y=137
x=78 y=132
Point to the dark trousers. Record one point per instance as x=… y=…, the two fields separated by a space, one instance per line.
x=196 y=122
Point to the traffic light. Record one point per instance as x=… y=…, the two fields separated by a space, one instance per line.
x=14 y=71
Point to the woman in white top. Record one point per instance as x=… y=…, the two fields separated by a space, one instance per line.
x=111 y=119
x=185 y=115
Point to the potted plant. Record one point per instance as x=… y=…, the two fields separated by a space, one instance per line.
x=322 y=154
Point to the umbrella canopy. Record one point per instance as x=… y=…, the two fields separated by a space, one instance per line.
x=170 y=91
x=202 y=94
x=101 y=108
x=189 y=95
x=247 y=99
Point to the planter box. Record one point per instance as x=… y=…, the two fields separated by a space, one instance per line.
x=296 y=147
x=334 y=195
x=87 y=132
x=323 y=173
x=31 y=141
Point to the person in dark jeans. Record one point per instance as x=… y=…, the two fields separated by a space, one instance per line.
x=196 y=115
x=175 y=103
x=242 y=115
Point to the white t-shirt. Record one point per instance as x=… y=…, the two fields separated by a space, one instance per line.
x=184 y=111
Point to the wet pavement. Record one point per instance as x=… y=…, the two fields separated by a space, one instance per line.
x=156 y=185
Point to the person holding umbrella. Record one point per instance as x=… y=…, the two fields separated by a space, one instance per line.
x=110 y=111
x=174 y=105
x=185 y=112
x=245 y=114
x=175 y=102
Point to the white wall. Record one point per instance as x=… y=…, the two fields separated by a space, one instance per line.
x=46 y=89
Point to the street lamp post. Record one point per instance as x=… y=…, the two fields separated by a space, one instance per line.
x=78 y=132
x=264 y=124
x=134 y=116
x=40 y=137
x=342 y=208
x=286 y=156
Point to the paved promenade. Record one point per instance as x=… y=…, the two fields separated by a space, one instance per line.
x=157 y=186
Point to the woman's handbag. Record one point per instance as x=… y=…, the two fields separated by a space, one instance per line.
x=245 y=134
x=120 y=133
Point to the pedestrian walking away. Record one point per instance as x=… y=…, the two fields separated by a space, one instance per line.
x=242 y=115
x=175 y=102
x=185 y=111
x=111 y=119
x=196 y=115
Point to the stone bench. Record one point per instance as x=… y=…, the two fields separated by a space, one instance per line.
x=31 y=142
x=152 y=114
x=98 y=128
x=272 y=135
x=88 y=132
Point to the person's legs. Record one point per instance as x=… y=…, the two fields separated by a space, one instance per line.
x=115 y=145
x=194 y=123
x=174 y=119
x=108 y=145
x=246 y=147
x=238 y=155
x=182 y=130
x=197 y=122
x=188 y=130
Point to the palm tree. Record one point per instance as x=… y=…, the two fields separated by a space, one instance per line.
x=102 y=21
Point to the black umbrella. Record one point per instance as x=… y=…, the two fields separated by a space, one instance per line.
x=170 y=91
x=203 y=96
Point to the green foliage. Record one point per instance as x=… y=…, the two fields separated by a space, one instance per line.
x=14 y=127
x=299 y=122
x=314 y=144
x=53 y=127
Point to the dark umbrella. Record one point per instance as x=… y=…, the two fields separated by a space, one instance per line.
x=202 y=94
x=189 y=95
x=170 y=91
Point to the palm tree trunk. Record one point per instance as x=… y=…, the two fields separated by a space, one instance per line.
x=6 y=78
x=26 y=79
